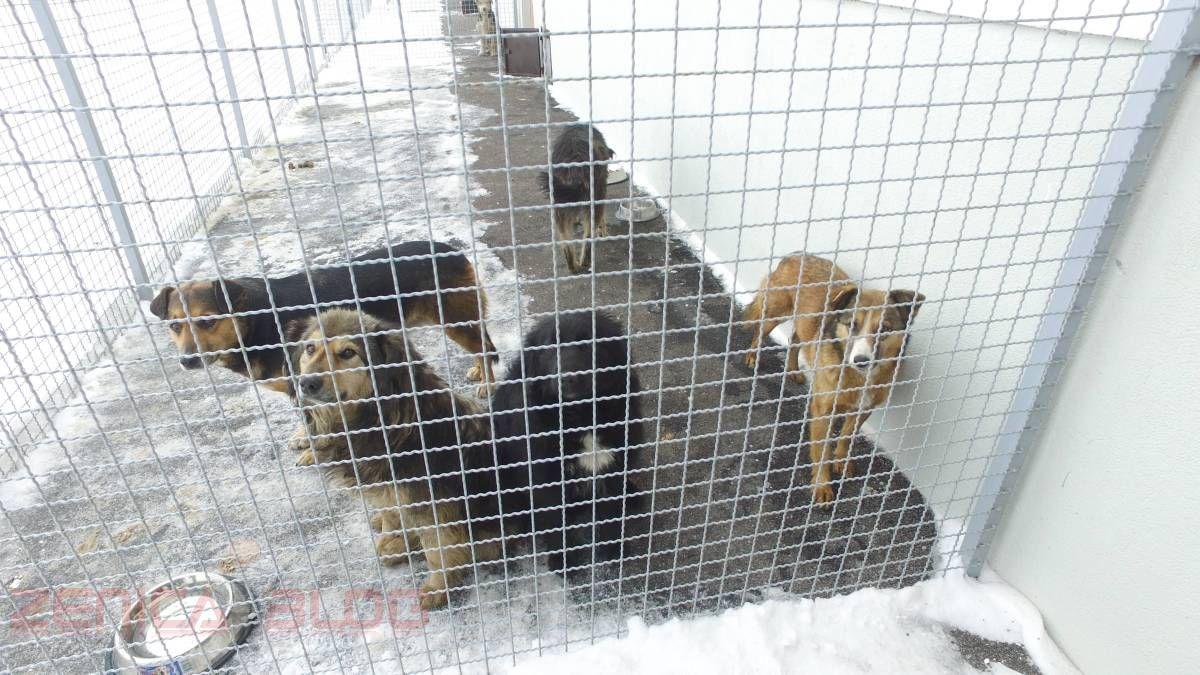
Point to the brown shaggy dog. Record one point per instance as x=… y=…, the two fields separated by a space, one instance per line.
x=851 y=338
x=381 y=418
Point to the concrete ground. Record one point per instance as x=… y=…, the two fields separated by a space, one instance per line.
x=155 y=470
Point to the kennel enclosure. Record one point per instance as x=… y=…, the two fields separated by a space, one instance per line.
x=983 y=155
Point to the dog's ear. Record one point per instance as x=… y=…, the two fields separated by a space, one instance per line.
x=158 y=306
x=842 y=297
x=237 y=296
x=296 y=329
x=907 y=303
x=392 y=346
x=390 y=358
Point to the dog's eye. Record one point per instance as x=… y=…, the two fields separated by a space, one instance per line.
x=310 y=349
x=347 y=353
x=205 y=324
x=176 y=328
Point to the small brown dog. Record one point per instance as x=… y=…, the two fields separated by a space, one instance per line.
x=851 y=339
x=390 y=425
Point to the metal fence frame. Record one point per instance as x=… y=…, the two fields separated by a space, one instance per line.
x=1127 y=158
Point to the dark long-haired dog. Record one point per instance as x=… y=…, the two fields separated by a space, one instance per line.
x=206 y=326
x=396 y=430
x=582 y=188
x=568 y=427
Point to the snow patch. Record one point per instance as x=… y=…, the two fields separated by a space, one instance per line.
x=868 y=631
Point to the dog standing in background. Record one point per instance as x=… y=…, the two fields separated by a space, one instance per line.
x=395 y=429
x=581 y=189
x=486 y=27
x=850 y=338
x=568 y=426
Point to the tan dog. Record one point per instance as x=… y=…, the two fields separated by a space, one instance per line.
x=851 y=339
x=419 y=462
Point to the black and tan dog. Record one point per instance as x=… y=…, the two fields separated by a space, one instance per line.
x=851 y=338
x=381 y=419
x=209 y=328
x=582 y=188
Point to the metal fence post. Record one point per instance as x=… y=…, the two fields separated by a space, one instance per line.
x=341 y=26
x=1163 y=66
x=95 y=148
x=350 y=15
x=229 y=81
x=287 y=58
x=320 y=29
x=306 y=32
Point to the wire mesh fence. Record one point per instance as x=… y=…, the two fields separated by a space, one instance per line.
x=732 y=301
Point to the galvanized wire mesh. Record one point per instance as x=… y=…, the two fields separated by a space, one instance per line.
x=977 y=155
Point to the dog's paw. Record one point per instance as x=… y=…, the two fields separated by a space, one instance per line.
x=392 y=549
x=797 y=377
x=433 y=596
x=306 y=458
x=822 y=494
x=475 y=373
x=844 y=468
x=299 y=441
x=752 y=358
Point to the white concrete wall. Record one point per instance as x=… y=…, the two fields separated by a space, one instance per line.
x=1101 y=531
x=936 y=195
x=1123 y=18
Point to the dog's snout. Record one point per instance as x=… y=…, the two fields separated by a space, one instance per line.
x=190 y=361
x=310 y=385
x=862 y=361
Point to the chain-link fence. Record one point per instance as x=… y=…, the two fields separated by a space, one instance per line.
x=732 y=300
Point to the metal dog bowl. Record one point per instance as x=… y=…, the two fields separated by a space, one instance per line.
x=189 y=624
x=616 y=176
x=638 y=209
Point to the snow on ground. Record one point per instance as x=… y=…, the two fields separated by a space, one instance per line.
x=868 y=631
x=872 y=630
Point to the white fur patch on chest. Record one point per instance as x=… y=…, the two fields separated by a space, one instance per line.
x=594 y=458
x=802 y=360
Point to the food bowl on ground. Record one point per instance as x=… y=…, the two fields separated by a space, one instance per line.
x=190 y=624
x=638 y=209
